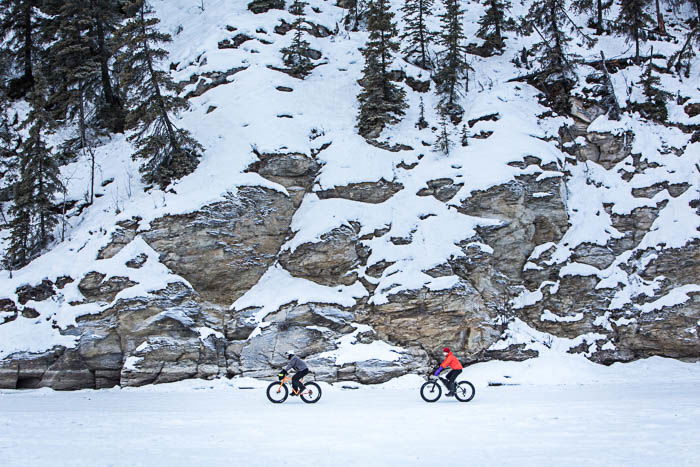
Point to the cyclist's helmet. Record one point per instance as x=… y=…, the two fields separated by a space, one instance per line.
x=290 y=355
x=446 y=350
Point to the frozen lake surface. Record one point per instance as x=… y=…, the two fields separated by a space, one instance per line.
x=647 y=416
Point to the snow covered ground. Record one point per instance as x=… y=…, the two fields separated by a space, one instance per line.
x=560 y=413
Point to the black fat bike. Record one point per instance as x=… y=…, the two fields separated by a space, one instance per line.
x=432 y=390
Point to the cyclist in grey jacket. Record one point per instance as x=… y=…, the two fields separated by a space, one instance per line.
x=301 y=369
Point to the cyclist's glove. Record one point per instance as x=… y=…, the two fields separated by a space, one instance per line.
x=437 y=372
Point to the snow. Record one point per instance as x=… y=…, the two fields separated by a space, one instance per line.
x=639 y=414
x=350 y=351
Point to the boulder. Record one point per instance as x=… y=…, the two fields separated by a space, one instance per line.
x=38 y=293
x=95 y=288
x=262 y=6
x=365 y=192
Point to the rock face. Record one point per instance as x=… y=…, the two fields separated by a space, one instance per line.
x=328 y=261
x=457 y=317
x=511 y=271
x=224 y=248
x=367 y=192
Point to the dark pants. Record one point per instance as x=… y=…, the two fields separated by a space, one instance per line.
x=450 y=379
x=297 y=385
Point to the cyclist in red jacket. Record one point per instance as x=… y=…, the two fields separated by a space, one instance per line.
x=455 y=369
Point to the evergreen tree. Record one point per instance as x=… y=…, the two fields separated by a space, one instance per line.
x=422 y=122
x=493 y=23
x=33 y=209
x=654 y=106
x=452 y=64
x=443 y=143
x=20 y=21
x=596 y=8
x=357 y=13
x=381 y=101
x=75 y=71
x=171 y=152
x=9 y=144
x=552 y=24
x=296 y=56
x=633 y=21
x=464 y=136
x=607 y=92
x=107 y=16
x=417 y=36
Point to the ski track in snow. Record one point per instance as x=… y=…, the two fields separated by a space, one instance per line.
x=645 y=414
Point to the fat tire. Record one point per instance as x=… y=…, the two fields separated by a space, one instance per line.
x=315 y=399
x=428 y=389
x=271 y=389
x=469 y=391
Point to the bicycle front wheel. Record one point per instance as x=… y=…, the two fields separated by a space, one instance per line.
x=465 y=391
x=311 y=394
x=430 y=391
x=277 y=393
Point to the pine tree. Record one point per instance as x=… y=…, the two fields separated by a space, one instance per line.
x=654 y=106
x=107 y=16
x=9 y=144
x=633 y=21
x=552 y=24
x=493 y=23
x=357 y=13
x=452 y=64
x=296 y=56
x=381 y=101
x=33 y=209
x=20 y=21
x=464 y=136
x=422 y=123
x=171 y=152
x=75 y=70
x=595 y=7
x=607 y=91
x=443 y=143
x=417 y=36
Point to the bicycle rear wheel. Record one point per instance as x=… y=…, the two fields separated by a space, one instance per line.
x=430 y=391
x=277 y=393
x=464 y=391
x=311 y=394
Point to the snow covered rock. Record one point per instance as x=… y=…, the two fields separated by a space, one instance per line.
x=225 y=247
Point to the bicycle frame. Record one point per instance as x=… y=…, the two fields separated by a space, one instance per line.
x=287 y=380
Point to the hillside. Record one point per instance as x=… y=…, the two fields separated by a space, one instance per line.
x=544 y=232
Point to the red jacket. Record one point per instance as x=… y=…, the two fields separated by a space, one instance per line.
x=451 y=362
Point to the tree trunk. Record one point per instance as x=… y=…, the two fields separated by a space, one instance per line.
x=599 y=26
x=660 y=23
x=156 y=86
x=28 y=43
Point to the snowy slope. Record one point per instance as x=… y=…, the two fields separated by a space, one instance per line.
x=252 y=116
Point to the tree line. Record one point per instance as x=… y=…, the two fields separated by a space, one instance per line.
x=443 y=53
x=87 y=68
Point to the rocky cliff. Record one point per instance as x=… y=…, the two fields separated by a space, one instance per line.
x=572 y=233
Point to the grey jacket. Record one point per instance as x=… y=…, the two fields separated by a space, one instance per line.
x=296 y=363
